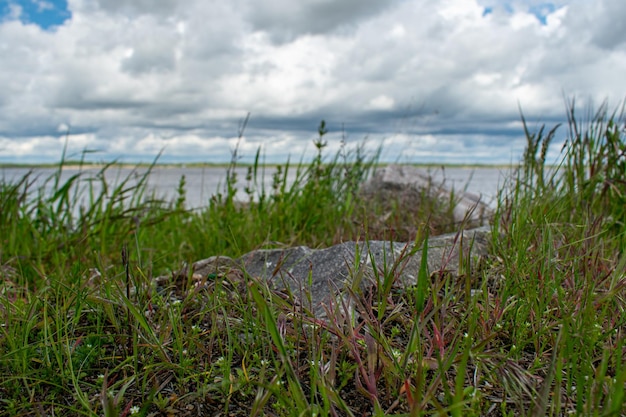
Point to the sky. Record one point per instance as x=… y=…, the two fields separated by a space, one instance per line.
x=429 y=81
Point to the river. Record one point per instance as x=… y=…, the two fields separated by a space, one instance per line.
x=204 y=182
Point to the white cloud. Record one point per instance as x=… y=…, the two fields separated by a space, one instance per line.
x=43 y=5
x=381 y=102
x=14 y=11
x=133 y=77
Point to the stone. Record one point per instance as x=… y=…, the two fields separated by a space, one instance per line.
x=317 y=279
x=396 y=179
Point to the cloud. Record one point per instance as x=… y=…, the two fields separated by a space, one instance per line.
x=129 y=9
x=285 y=20
x=130 y=78
x=599 y=23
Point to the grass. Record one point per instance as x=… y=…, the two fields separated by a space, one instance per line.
x=537 y=329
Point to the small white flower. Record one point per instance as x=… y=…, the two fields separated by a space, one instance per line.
x=219 y=360
x=264 y=362
x=134 y=410
x=176 y=302
x=268 y=264
x=465 y=335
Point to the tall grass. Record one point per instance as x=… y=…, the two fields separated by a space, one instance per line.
x=562 y=247
x=318 y=207
x=537 y=328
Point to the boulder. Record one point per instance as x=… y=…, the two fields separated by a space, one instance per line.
x=316 y=279
x=394 y=180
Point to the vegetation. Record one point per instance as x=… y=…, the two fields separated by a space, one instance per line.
x=538 y=330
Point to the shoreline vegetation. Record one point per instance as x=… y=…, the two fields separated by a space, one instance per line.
x=537 y=328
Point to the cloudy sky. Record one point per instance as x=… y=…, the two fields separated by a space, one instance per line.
x=433 y=81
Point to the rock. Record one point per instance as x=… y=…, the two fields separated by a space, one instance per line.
x=397 y=179
x=317 y=278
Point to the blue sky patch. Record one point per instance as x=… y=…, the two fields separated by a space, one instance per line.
x=44 y=13
x=541 y=11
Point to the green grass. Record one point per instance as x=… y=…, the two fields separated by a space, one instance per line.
x=535 y=329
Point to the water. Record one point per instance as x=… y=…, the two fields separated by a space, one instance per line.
x=203 y=182
x=481 y=181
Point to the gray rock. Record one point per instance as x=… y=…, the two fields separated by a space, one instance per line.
x=395 y=179
x=317 y=279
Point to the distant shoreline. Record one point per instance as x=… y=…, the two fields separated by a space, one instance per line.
x=71 y=165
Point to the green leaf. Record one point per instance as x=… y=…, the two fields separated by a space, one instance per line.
x=423 y=278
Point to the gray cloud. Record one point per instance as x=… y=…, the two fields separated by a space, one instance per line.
x=151 y=53
x=285 y=20
x=162 y=8
x=438 y=80
x=602 y=21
